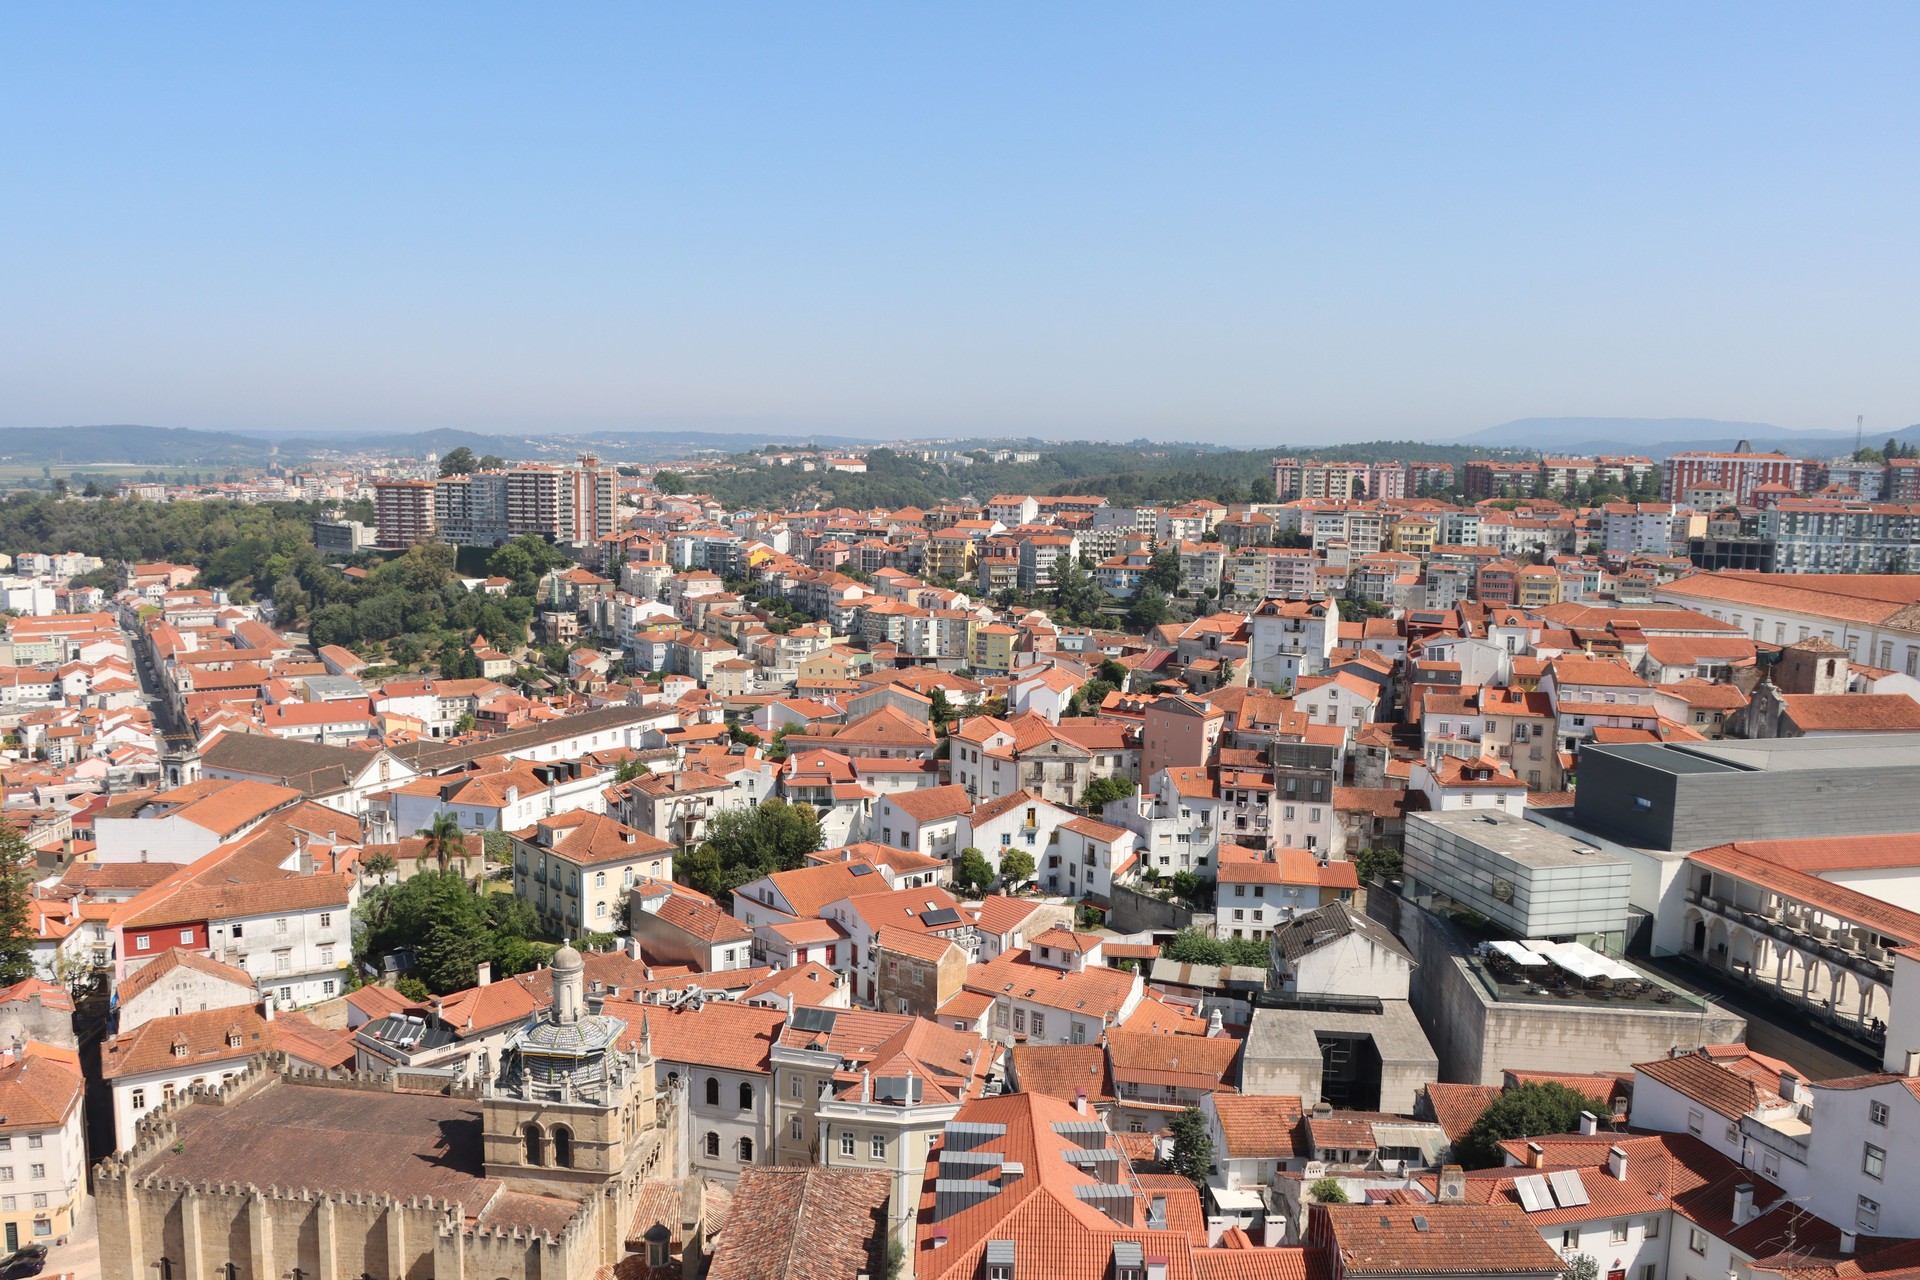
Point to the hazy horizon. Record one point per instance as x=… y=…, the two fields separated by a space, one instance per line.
x=1245 y=225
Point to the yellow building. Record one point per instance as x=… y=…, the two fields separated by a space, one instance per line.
x=1536 y=587
x=990 y=647
x=1414 y=536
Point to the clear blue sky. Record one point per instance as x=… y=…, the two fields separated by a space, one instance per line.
x=1248 y=223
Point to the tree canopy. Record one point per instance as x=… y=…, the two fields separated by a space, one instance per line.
x=451 y=929
x=744 y=844
x=1524 y=1112
x=1192 y=1148
x=16 y=882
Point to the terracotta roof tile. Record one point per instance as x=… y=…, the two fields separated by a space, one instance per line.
x=804 y=1224
x=1260 y=1128
x=1062 y=1071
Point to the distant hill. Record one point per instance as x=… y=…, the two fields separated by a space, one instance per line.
x=143 y=446
x=1658 y=437
x=612 y=446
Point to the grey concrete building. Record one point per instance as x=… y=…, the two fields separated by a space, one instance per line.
x=1692 y=795
x=1481 y=1025
x=1362 y=1059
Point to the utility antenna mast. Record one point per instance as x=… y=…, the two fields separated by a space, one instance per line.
x=1859 y=425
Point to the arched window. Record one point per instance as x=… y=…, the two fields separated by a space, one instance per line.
x=562 y=1147
x=746 y=1150
x=746 y=1097
x=536 y=1147
x=599 y=879
x=713 y=1091
x=713 y=1143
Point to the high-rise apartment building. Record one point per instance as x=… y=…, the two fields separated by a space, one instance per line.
x=403 y=511
x=1739 y=473
x=575 y=503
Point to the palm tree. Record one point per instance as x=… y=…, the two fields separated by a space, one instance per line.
x=377 y=866
x=444 y=839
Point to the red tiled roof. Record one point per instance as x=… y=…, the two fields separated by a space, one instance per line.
x=804 y=1224
x=1062 y=1070
x=1858 y=712
x=1851 y=904
x=1259 y=1127
x=1458 y=1240
x=1456 y=1106
x=720 y=1033
x=1055 y=1233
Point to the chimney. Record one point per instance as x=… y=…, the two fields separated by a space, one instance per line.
x=1789 y=1085
x=1912 y=1064
x=1452 y=1185
x=1080 y=1101
x=1589 y=1124
x=1743 y=1204
x=1216 y=1025
x=1849 y=1241
x=266 y=1007
x=485 y=975
x=1536 y=1156
x=1617 y=1163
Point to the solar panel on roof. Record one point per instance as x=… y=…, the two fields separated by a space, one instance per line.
x=944 y=916
x=1533 y=1193
x=860 y=869
x=1567 y=1188
x=806 y=1019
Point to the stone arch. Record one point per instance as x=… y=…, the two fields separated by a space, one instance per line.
x=562 y=1138
x=1693 y=932
x=535 y=1143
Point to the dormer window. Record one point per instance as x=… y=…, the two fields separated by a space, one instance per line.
x=233 y=1037
x=179 y=1046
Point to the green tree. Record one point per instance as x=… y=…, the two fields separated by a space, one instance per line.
x=1148 y=610
x=1113 y=673
x=489 y=462
x=1580 y=1266
x=1188 y=887
x=1016 y=867
x=1377 y=866
x=377 y=865
x=1192 y=1148
x=1191 y=946
x=1099 y=791
x=455 y=661
x=631 y=768
x=444 y=840
x=1524 y=1112
x=457 y=462
x=1163 y=572
x=16 y=886
x=739 y=733
x=1328 y=1191
x=1076 y=597
x=973 y=871
x=464 y=725
x=939 y=708
x=745 y=844
x=413 y=989
x=450 y=928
